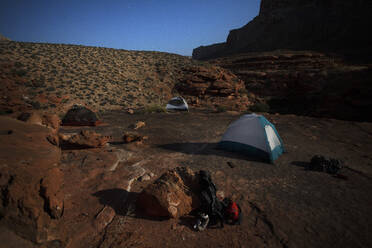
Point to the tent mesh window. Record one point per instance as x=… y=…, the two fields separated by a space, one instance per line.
x=176 y=102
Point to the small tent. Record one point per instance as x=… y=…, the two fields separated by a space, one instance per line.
x=80 y=116
x=177 y=103
x=253 y=135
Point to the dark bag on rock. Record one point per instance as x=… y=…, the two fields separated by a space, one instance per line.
x=208 y=199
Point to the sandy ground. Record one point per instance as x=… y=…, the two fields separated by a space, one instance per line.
x=283 y=205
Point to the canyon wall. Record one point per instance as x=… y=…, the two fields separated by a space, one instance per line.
x=338 y=26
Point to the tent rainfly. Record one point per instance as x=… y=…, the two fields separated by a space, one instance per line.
x=177 y=103
x=80 y=116
x=254 y=136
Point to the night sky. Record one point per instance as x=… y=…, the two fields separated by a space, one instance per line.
x=173 y=26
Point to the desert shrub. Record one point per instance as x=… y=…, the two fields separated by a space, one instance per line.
x=260 y=107
x=38 y=84
x=154 y=108
x=51 y=88
x=112 y=102
x=20 y=72
x=18 y=64
x=6 y=111
x=32 y=93
x=243 y=91
x=221 y=109
x=36 y=105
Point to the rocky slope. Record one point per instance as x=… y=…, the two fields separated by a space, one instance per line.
x=52 y=77
x=330 y=25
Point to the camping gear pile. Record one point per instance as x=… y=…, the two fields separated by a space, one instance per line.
x=324 y=164
x=213 y=211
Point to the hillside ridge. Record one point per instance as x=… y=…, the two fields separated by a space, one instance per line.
x=52 y=77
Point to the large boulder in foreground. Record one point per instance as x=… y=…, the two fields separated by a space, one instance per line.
x=80 y=116
x=31 y=183
x=174 y=194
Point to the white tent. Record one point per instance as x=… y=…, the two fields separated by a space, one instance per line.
x=253 y=135
x=177 y=103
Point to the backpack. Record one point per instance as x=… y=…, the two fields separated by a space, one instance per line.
x=208 y=200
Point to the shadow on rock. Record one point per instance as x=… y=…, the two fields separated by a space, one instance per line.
x=139 y=214
x=188 y=221
x=116 y=198
x=302 y=164
x=207 y=149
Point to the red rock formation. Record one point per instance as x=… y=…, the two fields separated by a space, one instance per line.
x=30 y=181
x=52 y=121
x=212 y=85
x=305 y=83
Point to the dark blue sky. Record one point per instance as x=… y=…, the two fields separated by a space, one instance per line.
x=175 y=26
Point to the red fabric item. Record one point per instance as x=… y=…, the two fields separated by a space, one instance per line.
x=233 y=211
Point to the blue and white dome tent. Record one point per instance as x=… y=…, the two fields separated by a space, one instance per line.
x=254 y=136
x=177 y=103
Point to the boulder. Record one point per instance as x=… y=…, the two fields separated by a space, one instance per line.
x=174 y=194
x=31 y=184
x=31 y=118
x=82 y=140
x=80 y=116
x=130 y=137
x=52 y=121
x=139 y=124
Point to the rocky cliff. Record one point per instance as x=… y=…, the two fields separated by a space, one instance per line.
x=304 y=83
x=324 y=25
